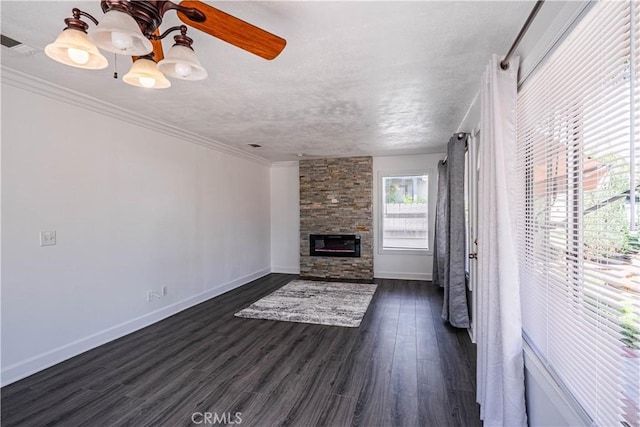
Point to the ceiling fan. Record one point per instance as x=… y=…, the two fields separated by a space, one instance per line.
x=131 y=27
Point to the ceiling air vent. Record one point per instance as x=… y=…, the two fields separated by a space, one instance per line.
x=8 y=41
x=255 y=145
x=16 y=46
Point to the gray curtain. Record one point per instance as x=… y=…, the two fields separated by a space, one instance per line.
x=441 y=242
x=451 y=236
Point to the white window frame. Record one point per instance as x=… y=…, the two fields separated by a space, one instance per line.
x=381 y=199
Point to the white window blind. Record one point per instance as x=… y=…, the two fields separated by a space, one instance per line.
x=579 y=160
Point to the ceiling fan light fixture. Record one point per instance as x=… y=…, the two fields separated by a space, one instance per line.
x=181 y=62
x=144 y=73
x=73 y=48
x=119 y=33
x=132 y=28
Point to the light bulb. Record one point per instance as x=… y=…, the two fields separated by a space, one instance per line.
x=121 y=41
x=147 y=81
x=78 y=56
x=182 y=69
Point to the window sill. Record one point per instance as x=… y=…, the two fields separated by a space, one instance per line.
x=400 y=251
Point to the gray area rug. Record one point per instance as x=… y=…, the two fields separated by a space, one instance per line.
x=310 y=301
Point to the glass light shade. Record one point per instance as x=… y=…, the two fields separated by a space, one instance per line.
x=72 y=47
x=181 y=62
x=119 y=33
x=144 y=73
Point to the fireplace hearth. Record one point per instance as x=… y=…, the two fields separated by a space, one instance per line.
x=334 y=245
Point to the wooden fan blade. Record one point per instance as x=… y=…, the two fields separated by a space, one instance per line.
x=234 y=31
x=158 y=54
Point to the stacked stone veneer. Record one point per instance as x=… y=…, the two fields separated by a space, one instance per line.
x=336 y=197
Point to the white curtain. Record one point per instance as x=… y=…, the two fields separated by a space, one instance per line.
x=499 y=336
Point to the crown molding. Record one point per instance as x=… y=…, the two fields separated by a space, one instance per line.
x=42 y=87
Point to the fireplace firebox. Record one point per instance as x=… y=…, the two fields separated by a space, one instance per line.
x=334 y=245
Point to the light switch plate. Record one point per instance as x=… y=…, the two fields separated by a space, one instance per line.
x=47 y=238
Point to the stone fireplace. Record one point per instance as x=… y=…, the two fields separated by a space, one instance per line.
x=336 y=217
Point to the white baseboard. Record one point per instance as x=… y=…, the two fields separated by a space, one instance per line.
x=285 y=269
x=24 y=368
x=401 y=275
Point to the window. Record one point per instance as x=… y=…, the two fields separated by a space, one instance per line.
x=579 y=161
x=404 y=219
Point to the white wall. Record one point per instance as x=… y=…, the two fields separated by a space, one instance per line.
x=399 y=265
x=285 y=218
x=548 y=404
x=133 y=209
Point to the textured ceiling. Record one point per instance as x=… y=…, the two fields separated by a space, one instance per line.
x=356 y=78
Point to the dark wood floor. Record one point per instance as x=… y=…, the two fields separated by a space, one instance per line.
x=403 y=367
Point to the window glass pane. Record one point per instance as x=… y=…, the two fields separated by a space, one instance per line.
x=404 y=222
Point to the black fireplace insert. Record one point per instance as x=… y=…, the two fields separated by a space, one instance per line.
x=335 y=245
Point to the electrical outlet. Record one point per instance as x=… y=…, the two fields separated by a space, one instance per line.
x=47 y=238
x=149 y=296
x=165 y=290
